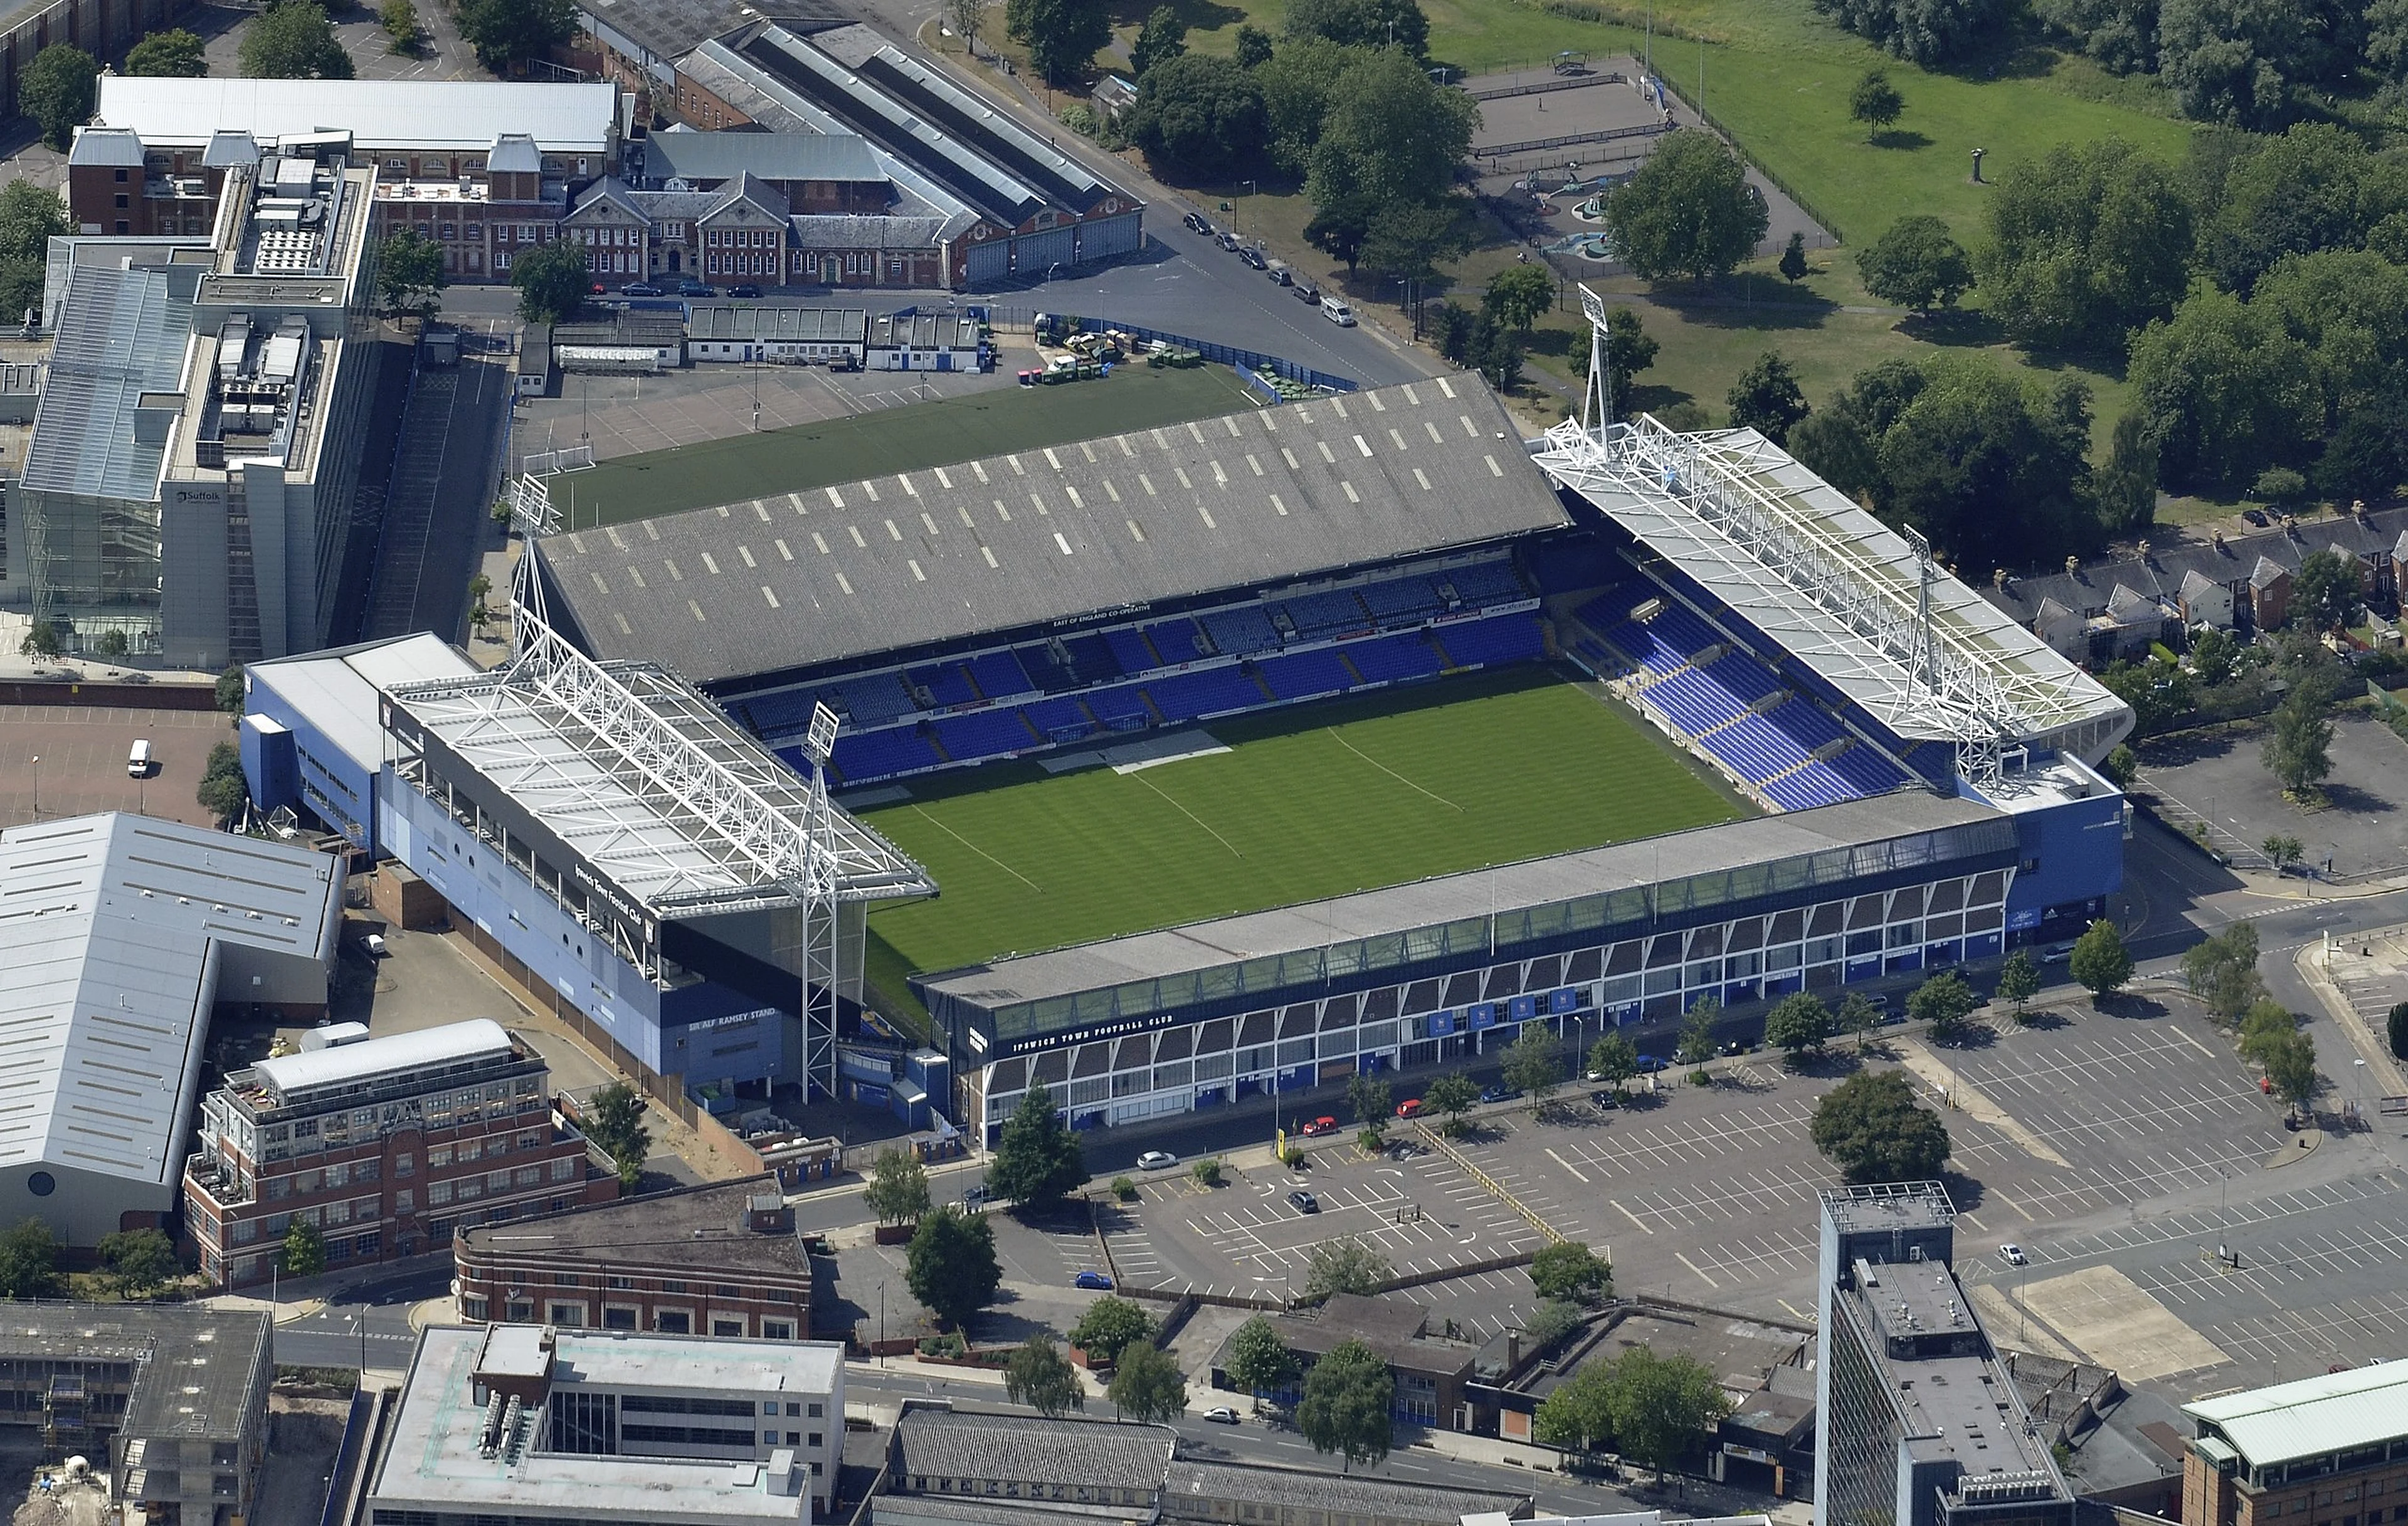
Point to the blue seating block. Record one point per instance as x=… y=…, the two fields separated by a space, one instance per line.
x=946 y=683
x=1303 y=674
x=1392 y=658
x=862 y=756
x=1486 y=582
x=999 y=675
x=873 y=701
x=987 y=733
x=1120 y=710
x=1402 y=600
x=1059 y=720
x=1042 y=670
x=1328 y=614
x=1243 y=631
x=1092 y=659
x=1129 y=650
x=1210 y=691
x=1175 y=640
x=1506 y=637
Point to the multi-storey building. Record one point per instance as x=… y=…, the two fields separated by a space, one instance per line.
x=2330 y=1450
x=722 y=1259
x=385 y=1145
x=175 y=1396
x=534 y=1424
x=1921 y=1425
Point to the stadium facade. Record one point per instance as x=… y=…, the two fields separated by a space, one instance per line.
x=1926 y=766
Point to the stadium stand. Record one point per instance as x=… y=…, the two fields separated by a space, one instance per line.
x=1177 y=640
x=1209 y=691
x=946 y=684
x=1130 y=650
x=776 y=715
x=1092 y=660
x=1122 y=708
x=1317 y=617
x=1042 y=670
x=1501 y=639
x=1303 y=674
x=865 y=756
x=1482 y=583
x=1402 y=601
x=873 y=701
x=1060 y=720
x=999 y=675
x=1394 y=660
x=986 y=733
x=1242 y=631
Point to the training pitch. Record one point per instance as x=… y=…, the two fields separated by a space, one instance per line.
x=906 y=439
x=1309 y=802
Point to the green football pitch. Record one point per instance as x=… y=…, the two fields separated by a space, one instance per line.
x=1309 y=803
x=990 y=422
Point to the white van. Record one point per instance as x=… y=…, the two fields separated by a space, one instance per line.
x=137 y=762
x=1338 y=312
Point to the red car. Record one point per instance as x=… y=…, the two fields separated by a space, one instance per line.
x=1320 y=1125
x=1409 y=1108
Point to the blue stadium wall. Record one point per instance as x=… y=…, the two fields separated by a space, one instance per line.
x=291 y=762
x=2073 y=861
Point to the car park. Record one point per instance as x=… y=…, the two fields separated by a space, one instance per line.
x=139 y=760
x=1409 y=1108
x=1157 y=1160
x=748 y=289
x=1094 y=1282
x=1222 y=1414
x=2012 y=1255
x=1303 y=1202
x=639 y=288
x=1605 y=1099
x=1322 y=1125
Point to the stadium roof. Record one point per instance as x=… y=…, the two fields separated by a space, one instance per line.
x=105 y=977
x=1874 y=824
x=635 y=771
x=1039 y=536
x=443 y=115
x=338 y=688
x=1798 y=559
x=2333 y=1412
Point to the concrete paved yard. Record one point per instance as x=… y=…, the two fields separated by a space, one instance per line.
x=2362 y=829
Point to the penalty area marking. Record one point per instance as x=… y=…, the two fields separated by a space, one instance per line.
x=1389 y=772
x=922 y=811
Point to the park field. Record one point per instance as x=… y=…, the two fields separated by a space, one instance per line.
x=1309 y=802
x=935 y=434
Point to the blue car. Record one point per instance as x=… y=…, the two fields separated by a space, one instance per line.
x=1093 y=1282
x=1499 y=1094
x=1648 y=1064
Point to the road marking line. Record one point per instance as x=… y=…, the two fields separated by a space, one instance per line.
x=1567 y=1165
x=1794 y=1311
x=1699 y=1270
x=2014 y=1205
x=1635 y=1218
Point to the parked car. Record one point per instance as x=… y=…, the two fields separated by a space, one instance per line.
x=1322 y=1125
x=978 y=1196
x=1605 y=1099
x=1220 y=1413
x=1225 y=240
x=748 y=289
x=696 y=288
x=639 y=288
x=1650 y=1064
x=1409 y=1108
x=2012 y=1255
x=1499 y=1093
x=1307 y=290
x=1338 y=312
x=2255 y=516
x=2058 y=953
x=1196 y=223
x=370 y=944
x=1252 y=254
x=1157 y=1160
x=1094 y=1282
x=138 y=761
x=1304 y=1203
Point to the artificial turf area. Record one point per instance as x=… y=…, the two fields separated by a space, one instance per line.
x=1311 y=802
x=936 y=434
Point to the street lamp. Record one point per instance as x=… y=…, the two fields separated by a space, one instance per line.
x=881 y=1323
x=37 y=787
x=1250 y=187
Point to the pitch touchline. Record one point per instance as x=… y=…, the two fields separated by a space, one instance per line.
x=991 y=858
x=1384 y=769
x=1189 y=814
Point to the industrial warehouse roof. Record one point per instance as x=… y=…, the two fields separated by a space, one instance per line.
x=768 y=324
x=337 y=689
x=442 y=115
x=1860 y=837
x=105 y=977
x=668 y=28
x=2333 y=1411
x=698 y=157
x=121 y=335
x=1037 y=536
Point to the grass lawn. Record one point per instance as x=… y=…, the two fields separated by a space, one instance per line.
x=1311 y=802
x=934 y=434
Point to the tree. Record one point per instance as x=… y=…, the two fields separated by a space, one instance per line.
x=1870 y=1126
x=1256 y=1360
x=58 y=90
x=970 y=19
x=172 y=53
x=1925 y=32
x=1037 y=1162
x=2216 y=657
x=1203 y=112
x=1347 y=1396
x=898 y=1192
x=1362 y=23
x=2099 y=963
x=1348 y=1264
x=1663 y=1407
x=1370 y=1099
x=1409 y=239
x=1614 y=1059
x=1875 y=102
x=2085 y=244
x=506 y=34
x=2224 y=389
x=29 y=1261
x=1570 y=1271
x=41 y=639
x=951 y=1265
x=2327 y=591
x=1254 y=47
x=2121 y=35
x=1108 y=1327
x=409 y=275
x=2266 y=1022
x=294 y=42
x=1579 y=1413
x=1793 y=256
x=2018 y=981
x=1628 y=350
x=2222 y=971
x=551 y=279
x=1767 y=397
x=2238 y=61
x=1451 y=1097
x=2290 y=1062
x=615 y=1121
x=138 y=1263
x=1040 y=1376
x=231 y=689
x=2396 y=1030
x=1550 y=1322
x=1689 y=211
x=1917 y=265
x=399 y=19
x=1799 y=1023
x=1519 y=294
x=1943 y=1002
x=1147 y=1386
x=1162 y=39
x=2121 y=766
x=222 y=791
x=2126 y=488
x=305 y=1250
x=1534 y=1061
x=1857 y=1017
x=2365 y=456
x=2159 y=692
x=1061 y=36
x=2299 y=747
x=31 y=216
x=1697 y=1044
x=113 y=643
x=2282 y=851
x=1389 y=138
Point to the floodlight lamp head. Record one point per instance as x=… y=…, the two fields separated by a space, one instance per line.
x=819 y=741
x=1592 y=308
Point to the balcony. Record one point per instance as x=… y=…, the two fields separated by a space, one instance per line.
x=206 y=1175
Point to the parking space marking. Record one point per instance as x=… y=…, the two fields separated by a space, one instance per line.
x=1634 y=1218
x=1575 y=1171
x=1699 y=1270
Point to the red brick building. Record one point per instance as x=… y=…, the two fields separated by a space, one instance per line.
x=386 y=1146
x=720 y=1260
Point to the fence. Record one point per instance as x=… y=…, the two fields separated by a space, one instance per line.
x=1018 y=319
x=1547 y=87
x=1539 y=145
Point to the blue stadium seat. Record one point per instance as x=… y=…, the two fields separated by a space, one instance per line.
x=1209 y=691
x=1130 y=650
x=1243 y=631
x=1301 y=674
x=946 y=683
x=1743 y=677
x=1608 y=609
x=1120 y=710
x=1042 y=670
x=862 y=756
x=1486 y=583
x=1059 y=720
x=1868 y=772
x=1394 y=660
x=1092 y=659
x=872 y=701
x=999 y=676
x=987 y=733
x=1505 y=638
x=1402 y=601
x=776 y=715
x=1176 y=640
x=1680 y=630
x=1336 y=612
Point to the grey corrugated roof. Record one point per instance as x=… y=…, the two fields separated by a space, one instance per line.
x=1338 y=1494
x=228 y=148
x=668 y=28
x=106 y=146
x=1864 y=824
x=2333 y=1411
x=1030 y=538
x=120 y=333
x=828 y=231
x=106 y=924
x=772 y=156
x=763 y=323
x=1025 y=1449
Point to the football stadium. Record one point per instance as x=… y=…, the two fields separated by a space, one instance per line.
x=1351 y=734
